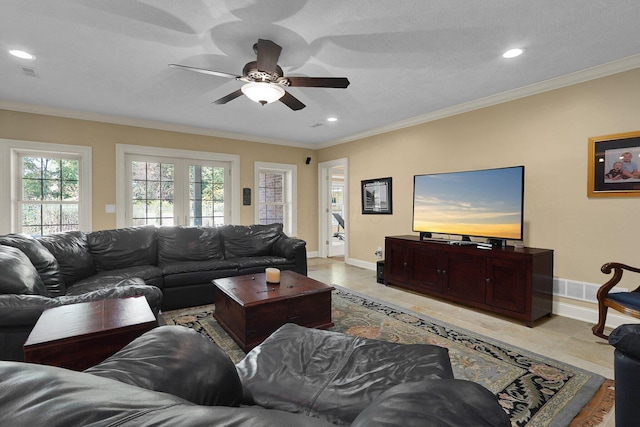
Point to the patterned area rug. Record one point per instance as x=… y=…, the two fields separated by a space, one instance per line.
x=533 y=390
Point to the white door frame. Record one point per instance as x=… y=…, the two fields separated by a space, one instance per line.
x=324 y=205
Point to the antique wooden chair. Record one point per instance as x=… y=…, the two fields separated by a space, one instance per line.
x=624 y=302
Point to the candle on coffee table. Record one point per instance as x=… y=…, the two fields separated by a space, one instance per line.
x=273 y=275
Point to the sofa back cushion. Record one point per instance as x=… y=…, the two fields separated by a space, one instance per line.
x=43 y=260
x=178 y=243
x=249 y=240
x=19 y=276
x=123 y=247
x=72 y=253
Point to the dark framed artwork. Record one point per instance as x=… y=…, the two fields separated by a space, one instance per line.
x=376 y=196
x=613 y=165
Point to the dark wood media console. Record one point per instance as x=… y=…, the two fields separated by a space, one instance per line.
x=517 y=283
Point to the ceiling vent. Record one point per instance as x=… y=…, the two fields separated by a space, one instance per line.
x=28 y=71
x=316 y=125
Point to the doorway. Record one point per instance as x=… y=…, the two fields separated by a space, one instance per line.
x=334 y=201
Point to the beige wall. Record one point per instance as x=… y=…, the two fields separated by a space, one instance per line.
x=103 y=137
x=548 y=134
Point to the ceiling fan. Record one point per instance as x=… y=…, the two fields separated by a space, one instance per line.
x=265 y=81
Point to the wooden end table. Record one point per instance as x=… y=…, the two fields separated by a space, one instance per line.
x=77 y=336
x=249 y=309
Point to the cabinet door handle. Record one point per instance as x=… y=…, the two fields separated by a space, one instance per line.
x=438 y=271
x=444 y=271
x=488 y=280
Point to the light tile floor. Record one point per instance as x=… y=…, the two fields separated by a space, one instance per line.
x=560 y=338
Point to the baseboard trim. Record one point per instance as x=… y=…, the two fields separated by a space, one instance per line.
x=590 y=315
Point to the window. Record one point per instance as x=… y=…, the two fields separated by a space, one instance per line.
x=175 y=187
x=49 y=200
x=49 y=187
x=275 y=185
x=152 y=189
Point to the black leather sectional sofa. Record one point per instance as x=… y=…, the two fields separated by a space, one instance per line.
x=171 y=266
x=172 y=376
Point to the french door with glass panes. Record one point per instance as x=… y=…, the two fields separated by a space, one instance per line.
x=169 y=191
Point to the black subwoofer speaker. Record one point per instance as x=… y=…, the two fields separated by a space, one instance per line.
x=380 y=272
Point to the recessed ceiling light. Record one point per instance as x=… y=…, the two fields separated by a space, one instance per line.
x=332 y=119
x=512 y=53
x=21 y=54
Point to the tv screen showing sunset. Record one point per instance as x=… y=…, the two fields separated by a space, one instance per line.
x=485 y=203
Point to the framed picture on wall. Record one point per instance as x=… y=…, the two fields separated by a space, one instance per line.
x=376 y=196
x=613 y=165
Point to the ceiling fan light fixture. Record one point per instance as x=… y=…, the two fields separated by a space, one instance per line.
x=262 y=93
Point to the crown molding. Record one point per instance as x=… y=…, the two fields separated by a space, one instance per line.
x=593 y=73
x=149 y=124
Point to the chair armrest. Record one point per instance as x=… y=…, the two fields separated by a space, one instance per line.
x=618 y=270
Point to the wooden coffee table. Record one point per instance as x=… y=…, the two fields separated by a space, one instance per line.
x=249 y=309
x=77 y=336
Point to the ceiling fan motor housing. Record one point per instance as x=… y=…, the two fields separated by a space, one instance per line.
x=251 y=73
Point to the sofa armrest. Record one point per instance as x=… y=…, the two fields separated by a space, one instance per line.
x=436 y=402
x=178 y=361
x=292 y=248
x=23 y=310
x=626 y=338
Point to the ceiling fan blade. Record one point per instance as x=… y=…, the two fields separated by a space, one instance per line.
x=292 y=102
x=230 y=97
x=268 y=53
x=204 y=71
x=331 y=82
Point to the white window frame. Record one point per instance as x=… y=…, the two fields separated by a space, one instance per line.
x=290 y=192
x=10 y=170
x=123 y=150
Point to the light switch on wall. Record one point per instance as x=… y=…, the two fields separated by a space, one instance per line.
x=110 y=208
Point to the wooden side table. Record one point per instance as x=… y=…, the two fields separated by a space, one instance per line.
x=77 y=336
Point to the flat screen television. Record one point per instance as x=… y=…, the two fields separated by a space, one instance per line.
x=480 y=203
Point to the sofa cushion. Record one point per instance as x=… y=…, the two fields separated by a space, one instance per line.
x=435 y=403
x=19 y=276
x=331 y=375
x=178 y=361
x=123 y=247
x=149 y=274
x=178 y=243
x=43 y=260
x=72 y=253
x=249 y=240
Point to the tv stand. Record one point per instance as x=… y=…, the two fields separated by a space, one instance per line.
x=517 y=283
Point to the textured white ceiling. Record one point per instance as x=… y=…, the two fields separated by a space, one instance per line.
x=406 y=60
